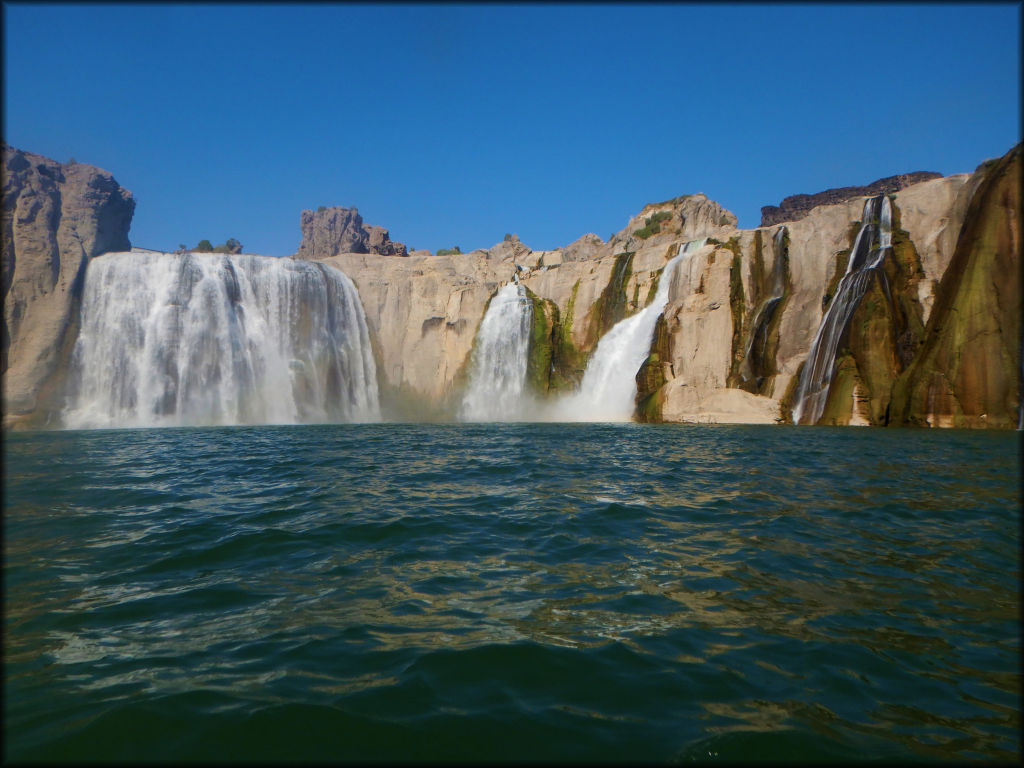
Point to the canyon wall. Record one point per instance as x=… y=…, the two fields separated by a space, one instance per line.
x=744 y=310
x=932 y=336
x=55 y=218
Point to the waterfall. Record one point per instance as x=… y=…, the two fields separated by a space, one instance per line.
x=754 y=357
x=497 y=376
x=192 y=339
x=608 y=389
x=873 y=242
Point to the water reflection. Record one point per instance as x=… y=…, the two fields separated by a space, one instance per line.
x=303 y=564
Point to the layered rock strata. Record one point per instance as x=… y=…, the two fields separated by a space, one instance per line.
x=55 y=218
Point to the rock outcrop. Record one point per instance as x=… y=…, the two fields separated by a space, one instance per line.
x=795 y=207
x=327 y=232
x=55 y=218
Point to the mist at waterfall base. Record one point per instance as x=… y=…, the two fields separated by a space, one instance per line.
x=497 y=377
x=497 y=380
x=586 y=592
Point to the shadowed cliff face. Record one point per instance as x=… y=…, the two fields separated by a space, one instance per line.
x=329 y=231
x=55 y=218
x=967 y=372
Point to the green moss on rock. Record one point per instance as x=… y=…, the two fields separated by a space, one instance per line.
x=839 y=407
x=612 y=305
x=967 y=370
x=737 y=305
x=651 y=377
x=553 y=362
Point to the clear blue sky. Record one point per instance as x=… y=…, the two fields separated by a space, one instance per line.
x=454 y=124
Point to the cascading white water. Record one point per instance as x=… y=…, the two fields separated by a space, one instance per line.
x=873 y=242
x=169 y=339
x=497 y=376
x=608 y=389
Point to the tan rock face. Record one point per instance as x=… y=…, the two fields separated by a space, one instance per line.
x=720 y=406
x=423 y=313
x=55 y=218
x=933 y=214
x=700 y=328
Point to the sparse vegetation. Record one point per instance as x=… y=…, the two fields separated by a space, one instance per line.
x=321 y=208
x=449 y=251
x=229 y=246
x=653 y=224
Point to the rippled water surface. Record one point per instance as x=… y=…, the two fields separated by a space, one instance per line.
x=509 y=592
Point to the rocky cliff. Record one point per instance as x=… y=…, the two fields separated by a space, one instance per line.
x=424 y=310
x=744 y=310
x=796 y=207
x=327 y=232
x=968 y=372
x=930 y=336
x=55 y=218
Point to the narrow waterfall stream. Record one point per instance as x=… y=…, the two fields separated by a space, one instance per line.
x=608 y=389
x=873 y=242
x=754 y=359
x=193 y=339
x=497 y=376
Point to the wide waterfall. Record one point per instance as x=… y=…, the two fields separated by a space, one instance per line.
x=608 y=389
x=497 y=376
x=168 y=339
x=873 y=242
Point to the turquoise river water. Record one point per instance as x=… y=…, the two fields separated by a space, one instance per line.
x=625 y=593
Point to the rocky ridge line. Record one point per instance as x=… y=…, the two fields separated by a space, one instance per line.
x=795 y=207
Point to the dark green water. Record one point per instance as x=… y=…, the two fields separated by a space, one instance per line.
x=512 y=592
